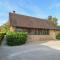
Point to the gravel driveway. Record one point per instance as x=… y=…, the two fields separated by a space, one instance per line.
x=29 y=52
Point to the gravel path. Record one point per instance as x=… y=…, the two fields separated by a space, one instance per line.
x=29 y=52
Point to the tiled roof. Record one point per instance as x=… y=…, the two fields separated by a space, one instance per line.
x=18 y=20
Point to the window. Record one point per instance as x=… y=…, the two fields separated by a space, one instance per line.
x=42 y=32
x=29 y=31
x=34 y=31
x=19 y=29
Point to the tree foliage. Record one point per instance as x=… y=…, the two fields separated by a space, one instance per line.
x=53 y=19
x=4 y=28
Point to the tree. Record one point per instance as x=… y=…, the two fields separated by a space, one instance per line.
x=0 y=29
x=4 y=28
x=53 y=19
x=58 y=26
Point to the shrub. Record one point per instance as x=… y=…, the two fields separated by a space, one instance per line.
x=16 y=38
x=1 y=36
x=58 y=36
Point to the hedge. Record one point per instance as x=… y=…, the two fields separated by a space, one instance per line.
x=1 y=36
x=58 y=36
x=16 y=38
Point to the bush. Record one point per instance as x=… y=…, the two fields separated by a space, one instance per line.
x=1 y=36
x=58 y=36
x=16 y=38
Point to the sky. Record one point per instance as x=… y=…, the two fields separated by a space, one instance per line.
x=35 y=8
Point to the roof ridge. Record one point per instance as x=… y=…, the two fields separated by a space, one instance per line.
x=31 y=17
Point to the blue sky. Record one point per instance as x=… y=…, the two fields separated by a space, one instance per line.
x=36 y=8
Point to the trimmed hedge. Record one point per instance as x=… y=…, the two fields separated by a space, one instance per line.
x=58 y=36
x=16 y=38
x=1 y=36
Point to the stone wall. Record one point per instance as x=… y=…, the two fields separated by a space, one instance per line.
x=52 y=33
x=39 y=37
x=51 y=36
x=12 y=28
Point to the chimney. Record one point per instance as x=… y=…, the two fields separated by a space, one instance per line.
x=13 y=15
x=14 y=12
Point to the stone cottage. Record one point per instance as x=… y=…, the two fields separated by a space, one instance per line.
x=37 y=28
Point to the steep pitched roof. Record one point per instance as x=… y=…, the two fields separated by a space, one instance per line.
x=29 y=22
